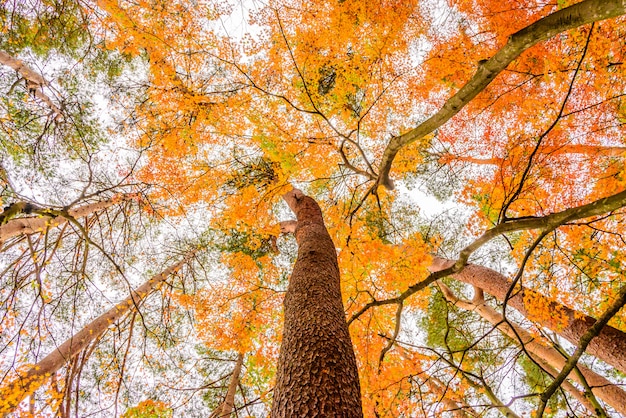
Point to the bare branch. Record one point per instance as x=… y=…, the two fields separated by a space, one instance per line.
x=609 y=345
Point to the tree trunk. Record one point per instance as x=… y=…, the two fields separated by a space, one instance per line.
x=34 y=224
x=609 y=345
x=34 y=81
x=226 y=408
x=449 y=401
x=14 y=392
x=317 y=373
x=544 y=355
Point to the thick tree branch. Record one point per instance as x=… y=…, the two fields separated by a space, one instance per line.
x=10 y=226
x=548 y=222
x=584 y=341
x=34 y=81
x=571 y=17
x=393 y=339
x=609 y=345
x=591 y=151
x=548 y=357
x=519 y=334
x=225 y=409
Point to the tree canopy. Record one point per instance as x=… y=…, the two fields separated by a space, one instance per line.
x=468 y=158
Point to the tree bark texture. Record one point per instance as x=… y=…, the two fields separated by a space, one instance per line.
x=317 y=374
x=609 y=345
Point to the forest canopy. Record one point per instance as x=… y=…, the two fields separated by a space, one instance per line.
x=468 y=158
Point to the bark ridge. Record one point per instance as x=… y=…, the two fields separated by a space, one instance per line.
x=317 y=374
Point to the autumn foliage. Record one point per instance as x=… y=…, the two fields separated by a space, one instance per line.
x=183 y=124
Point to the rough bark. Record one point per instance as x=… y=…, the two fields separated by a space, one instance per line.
x=14 y=392
x=602 y=388
x=609 y=345
x=582 y=13
x=317 y=374
x=33 y=224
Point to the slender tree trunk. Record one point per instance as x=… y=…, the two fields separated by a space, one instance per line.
x=609 y=345
x=14 y=392
x=34 y=81
x=226 y=408
x=34 y=224
x=602 y=387
x=317 y=373
x=449 y=401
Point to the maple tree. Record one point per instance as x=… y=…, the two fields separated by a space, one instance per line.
x=133 y=131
